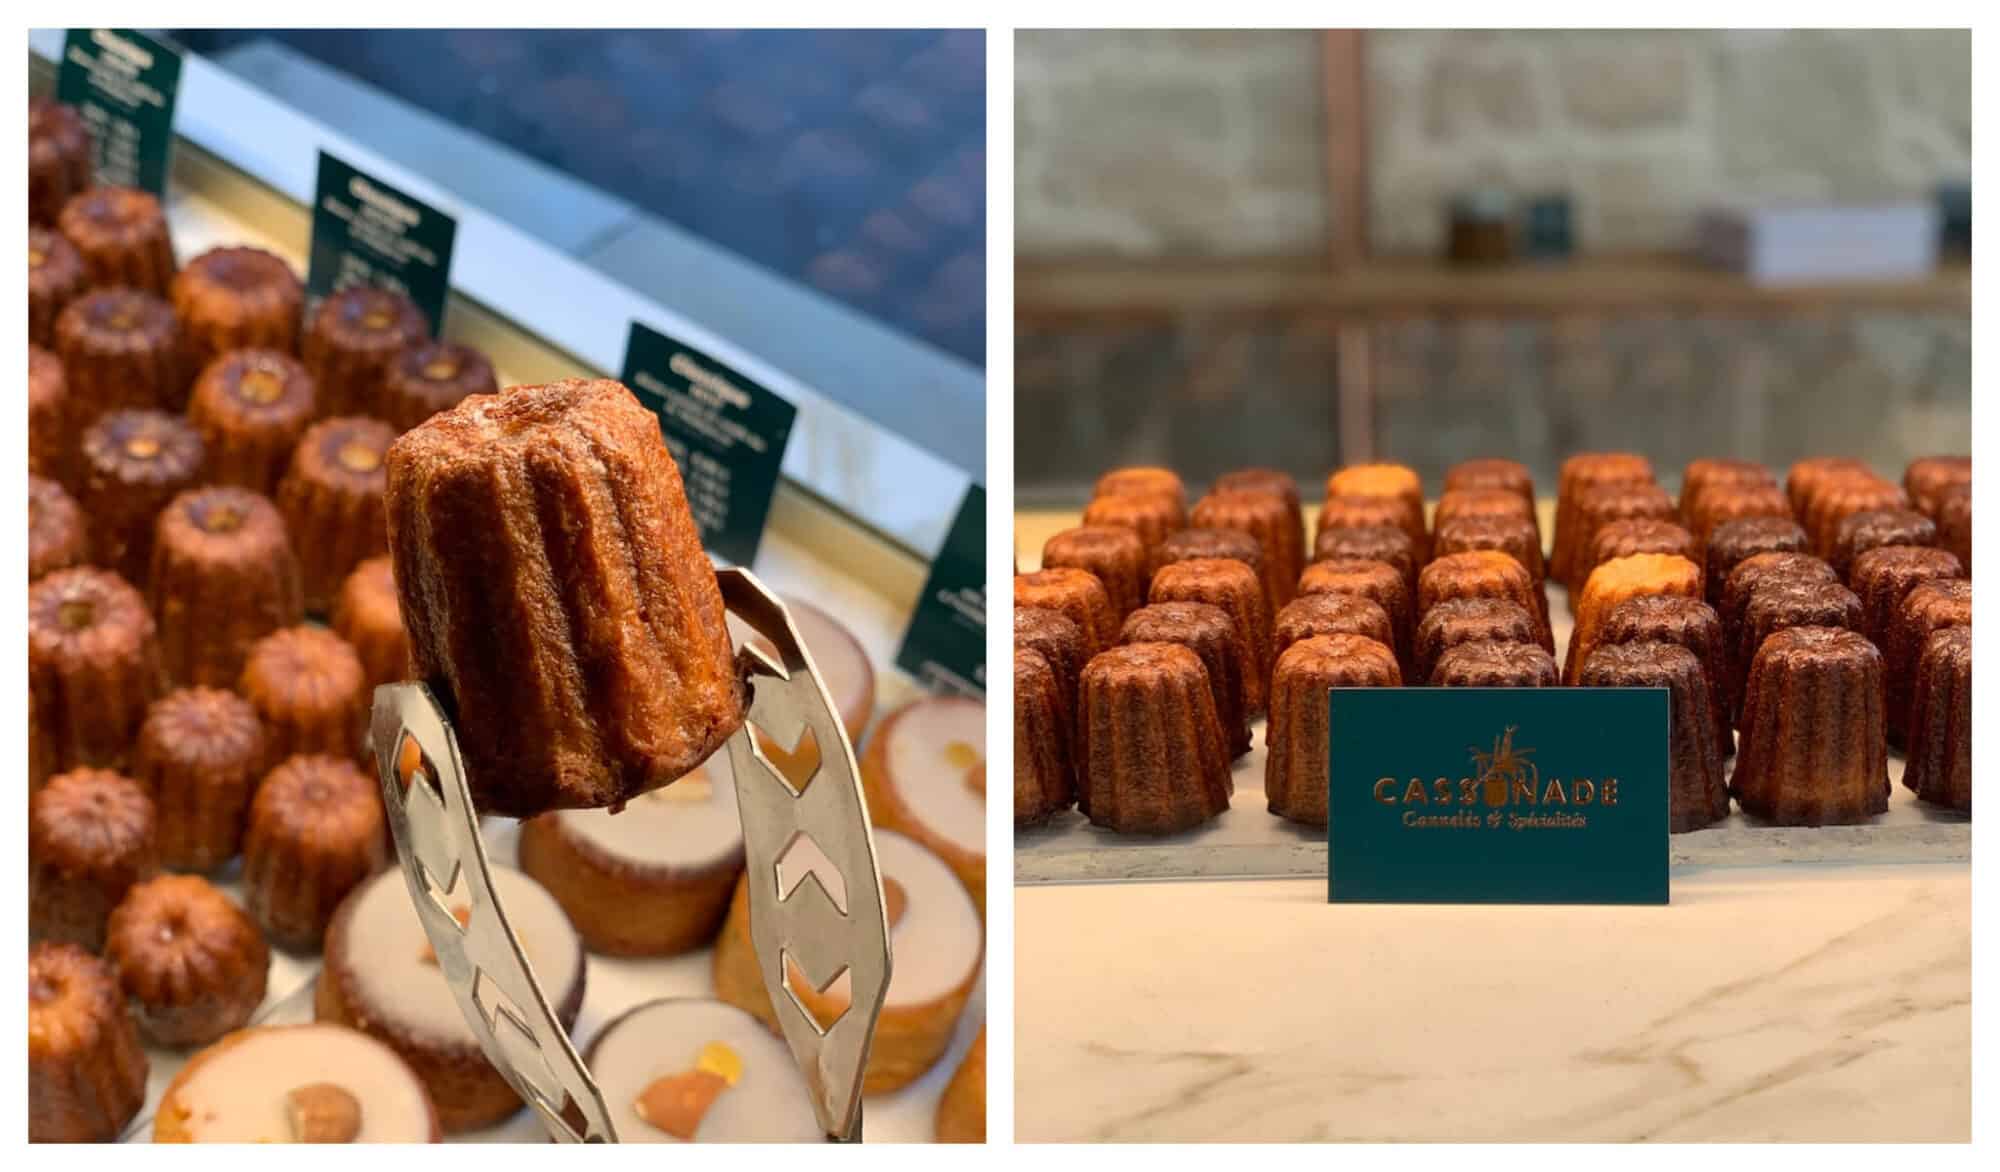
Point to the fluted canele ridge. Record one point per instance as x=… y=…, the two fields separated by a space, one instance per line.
x=1375 y=543
x=1614 y=582
x=351 y=340
x=1153 y=755
x=1873 y=529
x=1496 y=665
x=224 y=576
x=1939 y=768
x=1295 y=777
x=1814 y=749
x=1882 y=577
x=1730 y=542
x=1044 y=770
x=1469 y=620
x=1697 y=795
x=1076 y=594
x=93 y=665
x=201 y=753
x=1231 y=586
x=1599 y=505
x=1929 y=606
x=1481 y=573
x=1112 y=554
x=1274 y=522
x=251 y=407
x=237 y=298
x=309 y=690
x=1213 y=636
x=1060 y=641
x=1684 y=622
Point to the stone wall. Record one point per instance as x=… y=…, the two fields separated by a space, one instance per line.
x=1201 y=144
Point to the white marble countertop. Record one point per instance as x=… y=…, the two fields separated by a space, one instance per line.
x=1798 y=1003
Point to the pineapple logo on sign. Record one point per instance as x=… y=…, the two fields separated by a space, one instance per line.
x=1504 y=790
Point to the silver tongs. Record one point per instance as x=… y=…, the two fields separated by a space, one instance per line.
x=796 y=927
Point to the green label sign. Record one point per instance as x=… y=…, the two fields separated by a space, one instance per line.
x=726 y=431
x=123 y=83
x=945 y=645
x=365 y=232
x=1497 y=795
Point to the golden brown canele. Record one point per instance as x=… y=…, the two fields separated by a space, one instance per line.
x=1684 y=622
x=1580 y=472
x=50 y=416
x=223 y=577
x=226 y=1092
x=1061 y=641
x=86 y=1070
x=1356 y=512
x=1754 y=573
x=1481 y=573
x=120 y=348
x=121 y=234
x=90 y=838
x=1619 y=539
x=1954 y=522
x=1296 y=737
x=1231 y=586
x=201 y=753
x=332 y=498
x=1270 y=482
x=309 y=690
x=188 y=957
x=1495 y=665
x=93 y=665
x=961 y=1110
x=1330 y=614
x=1491 y=472
x=1044 y=764
x=1114 y=555
x=1380 y=583
x=1730 y=542
x=55 y=278
x=367 y=615
x=1211 y=634
x=1882 y=577
x=1779 y=605
x=350 y=342
x=57 y=539
x=1379 y=543
x=1861 y=532
x=1077 y=594
x=1468 y=620
x=1708 y=474
x=237 y=298
x=1142 y=480
x=1274 y=522
x=1153 y=516
x=1940 y=738
x=1186 y=545
x=1154 y=760
x=60 y=158
x=1928 y=478
x=251 y=407
x=1459 y=504
x=1592 y=508
x=1697 y=796
x=1929 y=606
x=1805 y=477
x=1614 y=582
x=133 y=463
x=435 y=376
x=316 y=830
x=1733 y=502
x=1839 y=498
x=1814 y=750
x=1382 y=481
x=552 y=579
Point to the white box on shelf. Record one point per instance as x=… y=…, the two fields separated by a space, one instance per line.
x=1791 y=244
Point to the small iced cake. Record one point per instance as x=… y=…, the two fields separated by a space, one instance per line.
x=925 y=776
x=842 y=664
x=311 y=1084
x=651 y=880
x=935 y=938
x=691 y=1070
x=381 y=977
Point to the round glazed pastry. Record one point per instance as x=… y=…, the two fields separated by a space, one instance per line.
x=553 y=673
x=55 y=277
x=1684 y=622
x=1468 y=620
x=1814 y=750
x=86 y=1072
x=1274 y=522
x=1805 y=477
x=331 y=496
x=190 y=960
x=1490 y=472
x=223 y=577
x=251 y=407
x=432 y=377
x=1495 y=665
x=1940 y=738
x=1882 y=577
x=296 y=1084
x=1379 y=582
x=1861 y=532
x=1731 y=542
x=1375 y=543
x=49 y=415
x=1697 y=796
x=133 y=463
x=935 y=936
x=382 y=978
x=353 y=337
x=59 y=158
x=1075 y=594
x=121 y=234
x=1114 y=555
x=1620 y=579
x=93 y=665
x=236 y=299
x=1060 y=641
x=1928 y=607
x=692 y=1070
x=654 y=878
x=1580 y=473
x=1186 y=545
x=1954 y=522
x=1928 y=478
x=1211 y=634
x=201 y=753
x=1152 y=758
x=120 y=348
x=961 y=1110
x=925 y=776
x=90 y=838
x=1330 y=614
x=1295 y=740
x=1141 y=480
x=56 y=537
x=1593 y=508
x=316 y=829
x=1231 y=586
x=1481 y=573
x=365 y=613
x=309 y=689
x=1044 y=765
x=1839 y=498
x=1153 y=516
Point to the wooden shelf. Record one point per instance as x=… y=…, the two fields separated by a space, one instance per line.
x=1054 y=291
